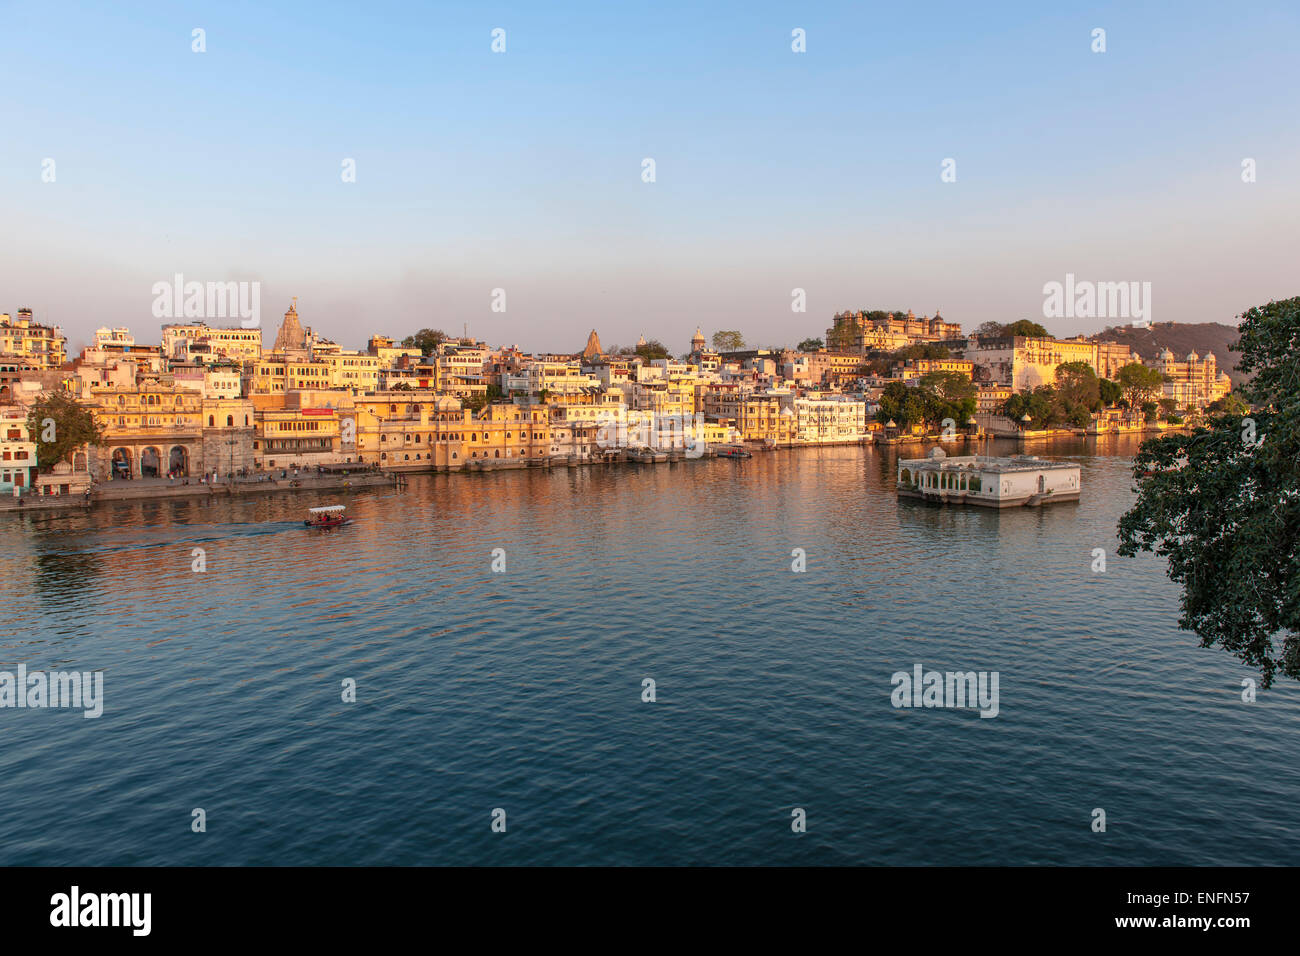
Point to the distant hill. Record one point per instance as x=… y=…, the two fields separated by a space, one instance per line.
x=1180 y=338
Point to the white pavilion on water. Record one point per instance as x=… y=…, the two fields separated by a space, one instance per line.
x=987 y=481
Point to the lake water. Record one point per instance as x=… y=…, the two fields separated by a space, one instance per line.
x=522 y=690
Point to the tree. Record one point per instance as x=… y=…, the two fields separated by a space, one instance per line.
x=1222 y=505
x=426 y=340
x=1078 y=391
x=1041 y=404
x=921 y=350
x=901 y=404
x=654 y=349
x=728 y=341
x=66 y=424
x=1230 y=404
x=947 y=395
x=990 y=329
x=809 y=345
x=1139 y=383
x=1026 y=328
x=1109 y=391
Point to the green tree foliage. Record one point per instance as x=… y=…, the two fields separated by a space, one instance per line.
x=1041 y=404
x=936 y=396
x=653 y=349
x=1110 y=392
x=921 y=350
x=947 y=395
x=728 y=341
x=901 y=404
x=1139 y=384
x=1230 y=404
x=1025 y=327
x=1222 y=505
x=426 y=340
x=810 y=345
x=57 y=416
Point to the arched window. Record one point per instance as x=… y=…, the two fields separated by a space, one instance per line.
x=212 y=421
x=230 y=421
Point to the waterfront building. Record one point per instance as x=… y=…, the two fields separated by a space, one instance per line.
x=509 y=432
x=1193 y=382
x=296 y=437
x=829 y=419
x=229 y=434
x=17 y=451
x=987 y=481
x=759 y=418
x=25 y=341
x=151 y=429
x=990 y=397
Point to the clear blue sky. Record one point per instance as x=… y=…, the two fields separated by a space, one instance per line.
x=522 y=170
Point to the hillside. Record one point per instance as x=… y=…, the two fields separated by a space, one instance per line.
x=1180 y=338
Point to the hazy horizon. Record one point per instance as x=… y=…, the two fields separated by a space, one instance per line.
x=522 y=170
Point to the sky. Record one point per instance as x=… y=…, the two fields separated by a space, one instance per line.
x=522 y=170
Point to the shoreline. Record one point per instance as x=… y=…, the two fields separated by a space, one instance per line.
x=137 y=490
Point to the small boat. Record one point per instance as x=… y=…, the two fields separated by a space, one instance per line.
x=329 y=516
x=730 y=451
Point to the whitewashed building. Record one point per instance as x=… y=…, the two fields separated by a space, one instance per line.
x=986 y=481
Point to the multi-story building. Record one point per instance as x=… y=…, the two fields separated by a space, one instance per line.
x=25 y=341
x=180 y=341
x=1025 y=363
x=278 y=374
x=151 y=430
x=990 y=397
x=758 y=417
x=913 y=369
x=829 y=419
x=229 y=433
x=358 y=371
x=1194 y=382
x=540 y=377
x=297 y=437
x=861 y=333
x=389 y=353
x=17 y=452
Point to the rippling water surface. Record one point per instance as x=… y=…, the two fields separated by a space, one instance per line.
x=522 y=690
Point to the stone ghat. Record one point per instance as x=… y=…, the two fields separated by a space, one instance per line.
x=146 y=488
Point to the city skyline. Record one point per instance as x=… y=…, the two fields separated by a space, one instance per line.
x=522 y=170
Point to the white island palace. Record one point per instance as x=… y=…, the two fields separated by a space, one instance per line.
x=987 y=481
